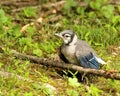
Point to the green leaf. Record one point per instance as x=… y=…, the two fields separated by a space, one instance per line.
x=95 y=4
x=28 y=94
x=72 y=93
x=15 y=31
x=94 y=91
x=69 y=4
x=25 y=41
x=36 y=86
x=87 y=36
x=3 y=18
x=116 y=20
x=1 y=64
x=29 y=12
x=30 y=30
x=98 y=44
x=108 y=11
x=47 y=91
x=118 y=8
x=73 y=82
x=92 y=14
x=38 y=52
x=80 y=10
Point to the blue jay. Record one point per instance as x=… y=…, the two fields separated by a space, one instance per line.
x=77 y=52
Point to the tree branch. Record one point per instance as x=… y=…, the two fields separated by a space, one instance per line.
x=48 y=62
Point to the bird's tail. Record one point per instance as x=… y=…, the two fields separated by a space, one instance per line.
x=100 y=61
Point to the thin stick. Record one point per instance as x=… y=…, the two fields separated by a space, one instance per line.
x=48 y=62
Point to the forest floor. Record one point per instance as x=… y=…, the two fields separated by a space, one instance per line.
x=29 y=27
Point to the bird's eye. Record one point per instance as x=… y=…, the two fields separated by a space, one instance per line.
x=66 y=36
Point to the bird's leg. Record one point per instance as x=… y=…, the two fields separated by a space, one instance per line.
x=85 y=79
x=83 y=75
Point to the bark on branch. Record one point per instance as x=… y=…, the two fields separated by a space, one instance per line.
x=48 y=62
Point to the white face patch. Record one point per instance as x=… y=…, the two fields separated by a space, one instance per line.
x=67 y=38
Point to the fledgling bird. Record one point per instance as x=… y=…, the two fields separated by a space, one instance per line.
x=77 y=51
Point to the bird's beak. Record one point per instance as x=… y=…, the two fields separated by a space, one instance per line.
x=57 y=34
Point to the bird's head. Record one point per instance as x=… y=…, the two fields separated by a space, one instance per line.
x=68 y=37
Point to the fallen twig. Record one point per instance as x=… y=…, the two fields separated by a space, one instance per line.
x=48 y=62
x=48 y=5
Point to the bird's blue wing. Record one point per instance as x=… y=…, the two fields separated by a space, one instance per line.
x=89 y=61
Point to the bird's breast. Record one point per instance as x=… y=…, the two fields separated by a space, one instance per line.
x=69 y=53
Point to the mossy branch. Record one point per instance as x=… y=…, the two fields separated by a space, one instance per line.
x=114 y=74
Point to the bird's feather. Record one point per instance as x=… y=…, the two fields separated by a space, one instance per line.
x=89 y=61
x=100 y=61
x=83 y=48
x=62 y=57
